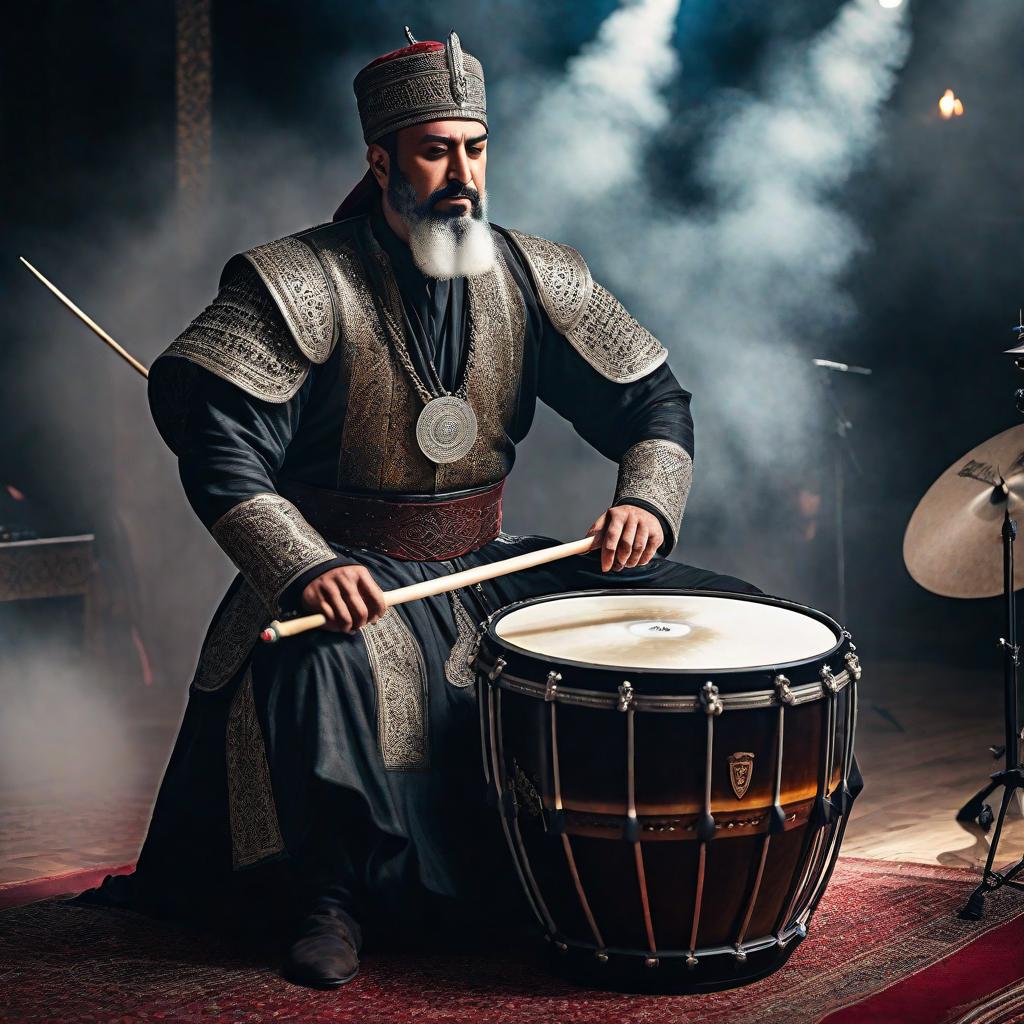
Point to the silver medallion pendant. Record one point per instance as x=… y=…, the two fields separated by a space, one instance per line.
x=446 y=429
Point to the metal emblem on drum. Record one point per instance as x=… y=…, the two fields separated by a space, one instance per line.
x=741 y=768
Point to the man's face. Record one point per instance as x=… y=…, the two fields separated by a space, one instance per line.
x=445 y=164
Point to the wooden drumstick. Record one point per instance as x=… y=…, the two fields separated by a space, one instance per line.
x=277 y=630
x=88 y=321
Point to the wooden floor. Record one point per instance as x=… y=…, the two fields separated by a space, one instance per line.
x=922 y=742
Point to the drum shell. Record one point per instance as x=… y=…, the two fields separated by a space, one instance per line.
x=606 y=809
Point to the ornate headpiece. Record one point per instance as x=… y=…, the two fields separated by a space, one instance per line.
x=424 y=81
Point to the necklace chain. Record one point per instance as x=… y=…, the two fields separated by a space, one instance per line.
x=407 y=364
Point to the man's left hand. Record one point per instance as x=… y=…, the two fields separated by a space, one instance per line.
x=629 y=536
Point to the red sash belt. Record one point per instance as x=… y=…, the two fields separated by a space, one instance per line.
x=420 y=528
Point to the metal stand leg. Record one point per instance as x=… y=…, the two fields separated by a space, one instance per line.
x=1011 y=778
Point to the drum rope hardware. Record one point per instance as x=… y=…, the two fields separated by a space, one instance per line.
x=663 y=872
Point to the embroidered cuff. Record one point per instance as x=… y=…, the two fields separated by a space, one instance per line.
x=659 y=473
x=270 y=542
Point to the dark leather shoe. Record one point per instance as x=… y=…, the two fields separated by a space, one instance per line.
x=325 y=952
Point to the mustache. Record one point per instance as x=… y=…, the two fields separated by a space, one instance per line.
x=453 y=190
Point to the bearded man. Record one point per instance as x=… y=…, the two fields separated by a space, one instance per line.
x=344 y=415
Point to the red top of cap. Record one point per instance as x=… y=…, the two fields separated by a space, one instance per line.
x=426 y=46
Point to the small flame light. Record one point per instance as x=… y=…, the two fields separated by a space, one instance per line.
x=950 y=105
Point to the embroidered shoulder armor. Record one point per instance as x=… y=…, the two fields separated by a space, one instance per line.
x=273 y=316
x=592 y=320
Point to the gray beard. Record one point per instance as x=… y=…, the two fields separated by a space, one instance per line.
x=443 y=247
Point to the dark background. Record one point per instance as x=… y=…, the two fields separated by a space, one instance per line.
x=88 y=146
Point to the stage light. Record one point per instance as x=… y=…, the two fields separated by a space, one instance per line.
x=889 y=3
x=950 y=105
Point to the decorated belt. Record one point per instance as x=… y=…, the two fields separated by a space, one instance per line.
x=415 y=527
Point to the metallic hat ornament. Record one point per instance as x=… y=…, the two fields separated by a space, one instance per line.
x=424 y=81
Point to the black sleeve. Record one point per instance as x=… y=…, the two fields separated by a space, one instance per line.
x=614 y=418
x=230 y=447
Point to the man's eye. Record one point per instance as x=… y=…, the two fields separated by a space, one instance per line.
x=436 y=151
x=475 y=150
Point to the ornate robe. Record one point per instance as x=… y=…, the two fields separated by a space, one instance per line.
x=355 y=757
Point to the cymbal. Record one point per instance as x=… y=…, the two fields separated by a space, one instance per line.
x=954 y=543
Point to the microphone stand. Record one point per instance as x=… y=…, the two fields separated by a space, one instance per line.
x=841 y=449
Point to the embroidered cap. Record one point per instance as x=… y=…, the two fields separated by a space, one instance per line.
x=424 y=81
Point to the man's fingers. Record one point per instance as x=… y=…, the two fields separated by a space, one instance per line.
x=599 y=525
x=327 y=611
x=373 y=596
x=342 y=615
x=356 y=606
x=612 y=533
x=653 y=543
x=625 y=546
x=639 y=546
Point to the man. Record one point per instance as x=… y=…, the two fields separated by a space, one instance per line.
x=344 y=414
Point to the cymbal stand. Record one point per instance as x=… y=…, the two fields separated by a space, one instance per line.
x=841 y=448
x=1011 y=778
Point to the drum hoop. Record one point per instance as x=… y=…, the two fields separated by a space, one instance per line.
x=842 y=636
x=747 y=701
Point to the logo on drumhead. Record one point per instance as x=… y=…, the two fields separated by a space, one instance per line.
x=741 y=768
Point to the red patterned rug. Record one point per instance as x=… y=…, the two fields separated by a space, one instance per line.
x=886 y=947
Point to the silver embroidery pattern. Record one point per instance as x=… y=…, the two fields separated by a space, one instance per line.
x=297 y=283
x=659 y=472
x=592 y=320
x=231 y=639
x=509 y=538
x=242 y=338
x=378 y=446
x=255 y=830
x=400 y=678
x=562 y=278
x=270 y=542
x=458 y=668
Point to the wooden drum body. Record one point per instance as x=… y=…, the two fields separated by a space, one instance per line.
x=674 y=801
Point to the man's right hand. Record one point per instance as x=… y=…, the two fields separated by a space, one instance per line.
x=348 y=597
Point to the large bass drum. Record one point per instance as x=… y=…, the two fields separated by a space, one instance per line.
x=674 y=772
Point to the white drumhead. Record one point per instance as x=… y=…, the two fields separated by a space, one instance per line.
x=666 y=631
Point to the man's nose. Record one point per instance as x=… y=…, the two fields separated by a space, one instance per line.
x=458 y=166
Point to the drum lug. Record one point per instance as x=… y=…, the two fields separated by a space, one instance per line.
x=651 y=961
x=783 y=693
x=601 y=956
x=853 y=664
x=551 y=689
x=740 y=955
x=828 y=679
x=625 y=695
x=496 y=669
x=691 y=961
x=710 y=699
